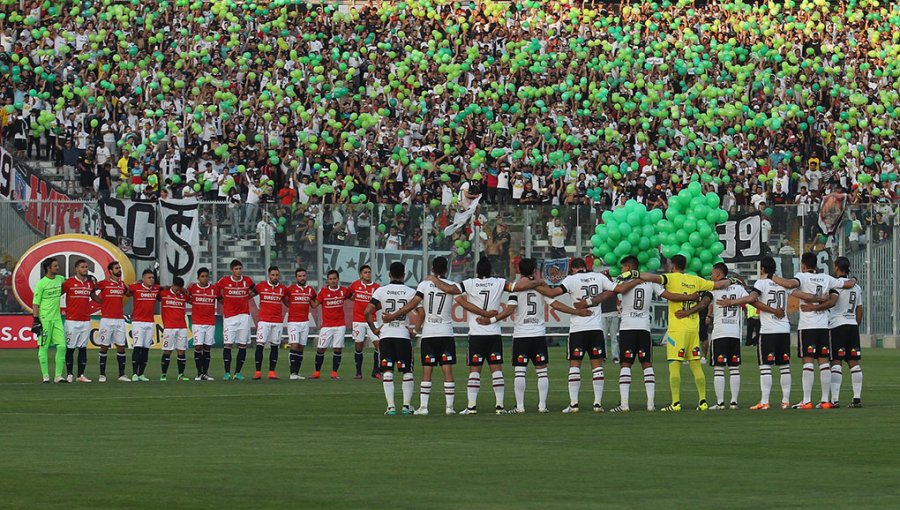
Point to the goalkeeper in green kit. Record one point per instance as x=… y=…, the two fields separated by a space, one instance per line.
x=48 y=325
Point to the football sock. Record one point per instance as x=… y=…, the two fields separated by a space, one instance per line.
x=407 y=388
x=809 y=374
x=650 y=386
x=387 y=383
x=82 y=360
x=734 y=382
x=543 y=384
x=70 y=360
x=519 y=387
x=207 y=356
x=181 y=360
x=296 y=361
x=598 y=379
x=424 y=394
x=719 y=383
x=574 y=384
x=166 y=358
x=320 y=358
x=449 y=393
x=59 y=359
x=472 y=387
x=258 y=356
x=273 y=357
x=335 y=361
x=837 y=377
x=825 y=381
x=121 y=360
x=624 y=386
x=198 y=362
x=856 y=379
x=499 y=387
x=675 y=380
x=765 y=383
x=135 y=360
x=376 y=361
x=699 y=378
x=785 y=383
x=358 y=358
x=241 y=358
x=43 y=360
x=145 y=358
x=103 y=363
x=226 y=359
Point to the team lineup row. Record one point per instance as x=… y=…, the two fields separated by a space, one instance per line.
x=390 y=316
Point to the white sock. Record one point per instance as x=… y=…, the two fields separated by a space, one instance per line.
x=519 y=386
x=387 y=382
x=408 y=388
x=650 y=386
x=734 y=383
x=424 y=394
x=856 y=381
x=472 y=387
x=809 y=374
x=597 y=376
x=574 y=384
x=837 y=377
x=543 y=384
x=786 y=384
x=624 y=386
x=765 y=383
x=825 y=381
x=499 y=387
x=450 y=393
x=719 y=383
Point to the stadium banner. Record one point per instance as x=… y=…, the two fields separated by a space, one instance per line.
x=7 y=174
x=832 y=211
x=181 y=238
x=555 y=271
x=15 y=331
x=742 y=237
x=130 y=225
x=347 y=260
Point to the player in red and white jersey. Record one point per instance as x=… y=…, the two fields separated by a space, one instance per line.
x=272 y=298
x=331 y=333
x=173 y=308
x=203 y=298
x=111 y=294
x=78 y=290
x=236 y=291
x=144 y=296
x=362 y=290
x=301 y=297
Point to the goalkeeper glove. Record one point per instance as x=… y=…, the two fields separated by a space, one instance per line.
x=630 y=275
x=37 y=329
x=736 y=281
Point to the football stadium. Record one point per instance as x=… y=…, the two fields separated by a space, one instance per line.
x=464 y=254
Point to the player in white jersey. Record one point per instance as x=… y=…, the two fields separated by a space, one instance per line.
x=585 y=330
x=438 y=346
x=845 y=307
x=812 y=330
x=725 y=341
x=394 y=336
x=774 y=347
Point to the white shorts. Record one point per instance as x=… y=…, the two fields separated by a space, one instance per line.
x=204 y=334
x=362 y=333
x=142 y=334
x=236 y=330
x=112 y=332
x=298 y=333
x=269 y=333
x=331 y=337
x=77 y=334
x=175 y=339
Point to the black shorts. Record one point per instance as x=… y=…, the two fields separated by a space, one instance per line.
x=813 y=343
x=774 y=349
x=591 y=343
x=635 y=343
x=845 y=343
x=725 y=352
x=439 y=350
x=485 y=348
x=396 y=354
x=533 y=349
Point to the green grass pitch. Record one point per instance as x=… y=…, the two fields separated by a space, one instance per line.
x=325 y=444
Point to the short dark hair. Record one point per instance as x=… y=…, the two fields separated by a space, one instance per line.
x=80 y=261
x=842 y=263
x=273 y=268
x=299 y=270
x=202 y=270
x=364 y=267
x=579 y=263
x=483 y=268
x=112 y=265
x=809 y=260
x=721 y=267
x=527 y=267
x=679 y=261
x=768 y=265
x=439 y=266
x=630 y=260
x=235 y=263
x=45 y=265
x=397 y=270
x=178 y=281
x=146 y=272
x=332 y=272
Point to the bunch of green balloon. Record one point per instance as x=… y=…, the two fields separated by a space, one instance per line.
x=628 y=230
x=690 y=229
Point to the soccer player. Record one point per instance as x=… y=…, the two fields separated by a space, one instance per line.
x=47 y=327
x=683 y=335
x=173 y=305
x=362 y=290
x=331 y=334
x=203 y=296
x=438 y=345
x=144 y=295
x=725 y=340
x=812 y=330
x=236 y=291
x=111 y=294
x=78 y=290
x=300 y=298
x=272 y=298
x=774 y=346
x=394 y=337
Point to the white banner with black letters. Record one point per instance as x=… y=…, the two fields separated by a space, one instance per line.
x=742 y=237
x=180 y=221
x=130 y=225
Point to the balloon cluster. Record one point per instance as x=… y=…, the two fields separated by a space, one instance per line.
x=628 y=230
x=690 y=229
